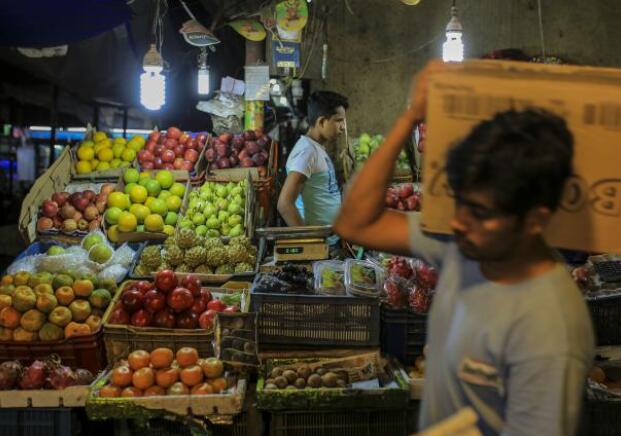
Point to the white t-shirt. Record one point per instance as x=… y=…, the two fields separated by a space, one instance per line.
x=320 y=199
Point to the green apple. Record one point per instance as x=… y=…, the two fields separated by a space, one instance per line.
x=236 y=231
x=222 y=204
x=237 y=190
x=223 y=215
x=234 y=209
x=234 y=220
x=221 y=191
x=213 y=223
x=213 y=233
x=198 y=219
x=225 y=229
x=209 y=210
x=186 y=223
x=201 y=230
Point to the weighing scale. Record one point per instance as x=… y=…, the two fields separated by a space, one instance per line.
x=298 y=243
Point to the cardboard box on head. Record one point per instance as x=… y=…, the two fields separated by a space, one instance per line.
x=589 y=99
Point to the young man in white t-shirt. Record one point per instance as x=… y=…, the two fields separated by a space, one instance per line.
x=310 y=194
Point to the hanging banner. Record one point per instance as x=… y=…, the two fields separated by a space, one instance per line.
x=286 y=54
x=249 y=29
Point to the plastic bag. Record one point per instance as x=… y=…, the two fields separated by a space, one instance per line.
x=116 y=272
x=73 y=259
x=123 y=256
x=28 y=264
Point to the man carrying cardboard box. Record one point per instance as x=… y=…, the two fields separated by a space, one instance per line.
x=509 y=333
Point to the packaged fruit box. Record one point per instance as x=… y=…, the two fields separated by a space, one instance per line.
x=210 y=259
x=102 y=157
x=175 y=380
x=145 y=205
x=362 y=381
x=43 y=383
x=168 y=311
x=173 y=150
x=220 y=208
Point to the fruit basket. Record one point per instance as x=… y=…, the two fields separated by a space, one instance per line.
x=311 y=320
x=207 y=278
x=219 y=399
x=120 y=339
x=138 y=199
x=354 y=382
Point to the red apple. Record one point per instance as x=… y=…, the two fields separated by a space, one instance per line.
x=147 y=165
x=143 y=286
x=178 y=163
x=225 y=137
x=119 y=316
x=199 y=306
x=168 y=156
x=157 y=162
x=82 y=203
x=187 y=320
x=199 y=147
x=162 y=138
x=154 y=135
x=141 y=318
x=154 y=301
x=173 y=132
x=180 y=299
x=185 y=137
x=192 y=283
x=222 y=150
x=89 y=195
x=192 y=143
x=187 y=165
x=145 y=156
x=210 y=155
x=60 y=198
x=159 y=148
x=205 y=296
x=170 y=143
x=150 y=146
x=132 y=300
x=252 y=147
x=206 y=319
x=191 y=155
x=166 y=280
x=168 y=166
x=49 y=208
x=201 y=138
x=216 y=305
x=164 y=318
x=179 y=150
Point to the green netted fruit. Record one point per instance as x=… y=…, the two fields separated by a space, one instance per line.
x=164 y=266
x=186 y=238
x=173 y=255
x=241 y=240
x=224 y=269
x=243 y=267
x=213 y=243
x=237 y=253
x=151 y=257
x=141 y=270
x=216 y=257
x=195 y=256
x=183 y=268
x=203 y=269
x=170 y=242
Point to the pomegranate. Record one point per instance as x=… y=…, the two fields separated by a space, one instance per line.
x=83 y=376
x=10 y=371
x=61 y=376
x=33 y=377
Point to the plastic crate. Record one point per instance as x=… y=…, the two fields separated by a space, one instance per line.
x=606 y=316
x=600 y=418
x=39 y=422
x=339 y=423
x=403 y=334
x=316 y=320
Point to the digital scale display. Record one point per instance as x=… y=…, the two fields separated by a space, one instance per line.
x=290 y=250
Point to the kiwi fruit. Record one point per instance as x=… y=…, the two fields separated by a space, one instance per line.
x=291 y=387
x=341 y=383
x=314 y=381
x=276 y=372
x=321 y=371
x=329 y=380
x=281 y=382
x=271 y=386
x=290 y=375
x=249 y=347
x=304 y=372
x=300 y=383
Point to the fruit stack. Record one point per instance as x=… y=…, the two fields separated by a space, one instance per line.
x=77 y=212
x=186 y=252
x=102 y=153
x=162 y=372
x=367 y=144
x=170 y=303
x=303 y=377
x=243 y=150
x=146 y=203
x=406 y=197
x=49 y=307
x=216 y=209
x=48 y=373
x=171 y=150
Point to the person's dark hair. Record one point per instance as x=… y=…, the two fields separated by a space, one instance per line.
x=324 y=104
x=523 y=158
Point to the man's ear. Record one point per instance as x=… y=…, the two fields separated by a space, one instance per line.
x=320 y=121
x=537 y=220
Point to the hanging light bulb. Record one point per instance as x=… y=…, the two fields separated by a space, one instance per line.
x=453 y=48
x=203 y=73
x=152 y=82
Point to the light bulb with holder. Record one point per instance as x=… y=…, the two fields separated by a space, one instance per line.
x=152 y=82
x=453 y=47
x=203 y=73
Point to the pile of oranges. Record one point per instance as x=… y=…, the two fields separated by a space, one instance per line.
x=162 y=372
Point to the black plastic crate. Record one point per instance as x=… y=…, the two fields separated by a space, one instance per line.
x=606 y=316
x=403 y=334
x=316 y=320
x=600 y=418
x=39 y=422
x=339 y=423
x=165 y=427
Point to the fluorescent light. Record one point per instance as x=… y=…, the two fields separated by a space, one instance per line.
x=453 y=47
x=203 y=80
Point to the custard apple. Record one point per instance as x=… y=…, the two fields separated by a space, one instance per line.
x=173 y=255
x=195 y=256
x=216 y=257
x=203 y=269
x=183 y=268
x=186 y=238
x=151 y=257
x=224 y=269
x=243 y=267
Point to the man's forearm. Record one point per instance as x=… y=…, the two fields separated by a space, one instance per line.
x=291 y=215
x=365 y=198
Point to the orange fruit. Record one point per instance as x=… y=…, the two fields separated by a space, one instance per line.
x=161 y=357
x=143 y=378
x=192 y=375
x=121 y=376
x=131 y=391
x=202 y=389
x=166 y=377
x=187 y=356
x=110 y=391
x=218 y=384
x=154 y=390
x=138 y=359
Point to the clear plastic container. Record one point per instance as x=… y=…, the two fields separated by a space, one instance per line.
x=329 y=277
x=363 y=278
